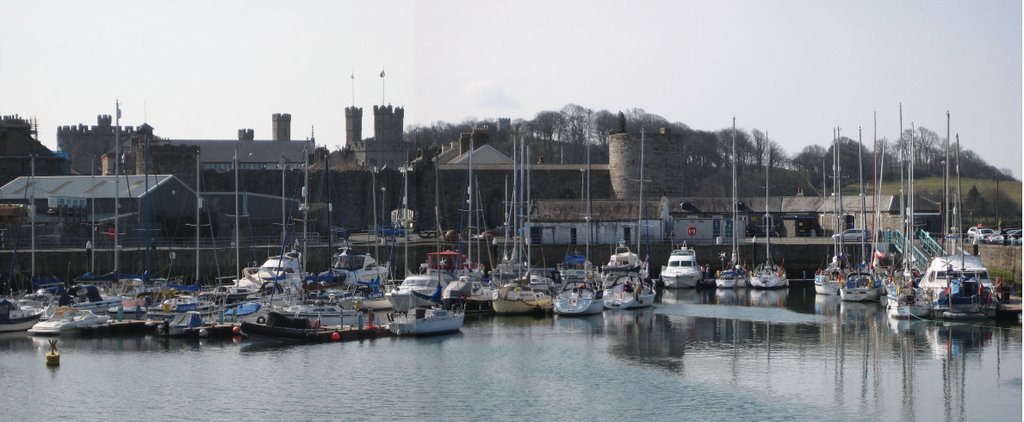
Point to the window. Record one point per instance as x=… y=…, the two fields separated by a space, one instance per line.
x=572 y=236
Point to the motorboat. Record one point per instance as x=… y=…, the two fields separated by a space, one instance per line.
x=16 y=318
x=350 y=268
x=68 y=320
x=579 y=298
x=418 y=291
x=246 y=311
x=282 y=327
x=681 y=270
x=282 y=273
x=423 y=321
x=859 y=286
x=622 y=260
x=965 y=297
x=88 y=297
x=469 y=294
x=176 y=326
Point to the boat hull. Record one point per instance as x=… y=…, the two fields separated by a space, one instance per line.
x=422 y=324
x=859 y=294
x=578 y=306
x=19 y=324
x=681 y=280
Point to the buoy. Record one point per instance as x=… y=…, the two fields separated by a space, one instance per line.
x=53 y=356
x=202 y=332
x=335 y=336
x=236 y=330
x=261 y=320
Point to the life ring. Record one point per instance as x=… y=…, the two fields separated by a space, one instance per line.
x=261 y=320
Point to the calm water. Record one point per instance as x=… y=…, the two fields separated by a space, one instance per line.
x=733 y=355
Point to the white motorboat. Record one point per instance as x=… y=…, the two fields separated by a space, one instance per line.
x=68 y=320
x=629 y=292
x=469 y=294
x=418 y=291
x=88 y=297
x=352 y=268
x=421 y=322
x=175 y=327
x=17 y=318
x=579 y=298
x=681 y=270
x=826 y=281
x=281 y=273
x=860 y=286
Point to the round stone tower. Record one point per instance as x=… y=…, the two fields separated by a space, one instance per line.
x=663 y=164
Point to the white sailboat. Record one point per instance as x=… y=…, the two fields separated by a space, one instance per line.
x=903 y=298
x=731 y=275
x=768 y=275
x=828 y=279
x=626 y=284
x=861 y=285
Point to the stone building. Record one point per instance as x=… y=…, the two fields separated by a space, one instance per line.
x=661 y=155
x=387 y=147
x=19 y=149
x=87 y=144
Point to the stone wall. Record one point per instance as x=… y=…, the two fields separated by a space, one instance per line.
x=662 y=158
x=1002 y=258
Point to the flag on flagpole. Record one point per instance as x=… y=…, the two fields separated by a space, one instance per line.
x=117 y=105
x=382 y=73
x=353 y=76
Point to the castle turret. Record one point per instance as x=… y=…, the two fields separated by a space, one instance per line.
x=388 y=124
x=282 y=127
x=353 y=125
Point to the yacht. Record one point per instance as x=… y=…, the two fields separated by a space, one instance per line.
x=17 y=318
x=682 y=270
x=422 y=322
x=859 y=286
x=581 y=297
x=68 y=320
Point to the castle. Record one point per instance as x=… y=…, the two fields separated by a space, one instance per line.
x=387 y=147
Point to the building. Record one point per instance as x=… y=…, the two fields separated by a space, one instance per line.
x=86 y=145
x=387 y=147
x=20 y=151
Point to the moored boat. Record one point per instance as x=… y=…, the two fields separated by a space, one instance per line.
x=681 y=270
x=16 y=318
x=422 y=322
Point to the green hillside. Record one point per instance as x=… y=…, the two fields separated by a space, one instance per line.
x=985 y=210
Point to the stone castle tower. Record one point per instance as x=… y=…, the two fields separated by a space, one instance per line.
x=388 y=143
x=663 y=164
x=282 y=127
x=87 y=144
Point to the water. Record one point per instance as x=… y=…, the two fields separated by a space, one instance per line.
x=733 y=355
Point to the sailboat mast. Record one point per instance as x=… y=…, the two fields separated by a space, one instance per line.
x=117 y=187
x=735 y=239
x=32 y=212
x=863 y=200
x=960 y=204
x=640 y=216
x=238 y=253
x=875 y=183
x=92 y=217
x=199 y=205
x=305 y=204
x=946 y=222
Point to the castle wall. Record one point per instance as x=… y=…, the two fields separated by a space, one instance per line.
x=662 y=158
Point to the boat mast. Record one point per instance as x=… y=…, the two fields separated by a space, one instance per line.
x=640 y=180
x=589 y=231
x=863 y=200
x=960 y=204
x=735 y=240
x=92 y=217
x=117 y=187
x=32 y=213
x=875 y=183
x=199 y=205
x=238 y=253
x=305 y=203
x=767 y=216
x=946 y=222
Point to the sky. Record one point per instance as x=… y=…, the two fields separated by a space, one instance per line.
x=794 y=68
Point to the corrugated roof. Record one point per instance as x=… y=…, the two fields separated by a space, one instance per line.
x=101 y=187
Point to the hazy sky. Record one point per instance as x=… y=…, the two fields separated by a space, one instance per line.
x=204 y=69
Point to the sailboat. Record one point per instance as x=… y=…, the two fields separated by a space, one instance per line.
x=861 y=284
x=905 y=299
x=959 y=285
x=767 y=275
x=580 y=294
x=626 y=284
x=731 y=274
x=828 y=279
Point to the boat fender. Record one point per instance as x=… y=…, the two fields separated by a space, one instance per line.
x=261 y=320
x=316 y=324
x=391 y=317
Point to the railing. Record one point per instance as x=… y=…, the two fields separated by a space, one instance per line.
x=920 y=261
x=931 y=247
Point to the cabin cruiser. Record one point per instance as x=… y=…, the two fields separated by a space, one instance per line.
x=68 y=320
x=681 y=270
x=176 y=326
x=279 y=274
x=959 y=288
x=349 y=268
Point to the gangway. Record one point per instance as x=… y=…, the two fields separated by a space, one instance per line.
x=919 y=261
x=931 y=247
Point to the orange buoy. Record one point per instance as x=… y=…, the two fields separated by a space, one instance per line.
x=236 y=330
x=335 y=336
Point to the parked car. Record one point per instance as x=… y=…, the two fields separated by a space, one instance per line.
x=979 y=233
x=853 y=235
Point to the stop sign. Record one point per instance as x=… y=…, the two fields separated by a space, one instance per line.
x=692 y=231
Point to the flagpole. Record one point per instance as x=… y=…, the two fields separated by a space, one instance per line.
x=382 y=87
x=353 y=76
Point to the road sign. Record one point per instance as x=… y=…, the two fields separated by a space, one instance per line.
x=692 y=231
